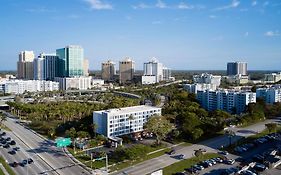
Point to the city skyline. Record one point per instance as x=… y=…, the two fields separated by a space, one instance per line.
x=182 y=34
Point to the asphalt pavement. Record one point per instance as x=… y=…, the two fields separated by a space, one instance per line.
x=211 y=145
x=48 y=158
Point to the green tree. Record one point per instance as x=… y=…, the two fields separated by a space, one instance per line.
x=71 y=133
x=160 y=126
x=2 y=118
x=82 y=134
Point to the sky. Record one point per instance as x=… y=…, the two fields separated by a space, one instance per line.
x=182 y=34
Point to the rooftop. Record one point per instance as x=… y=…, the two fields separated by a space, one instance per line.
x=128 y=109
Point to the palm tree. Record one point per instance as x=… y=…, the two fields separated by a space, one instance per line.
x=2 y=118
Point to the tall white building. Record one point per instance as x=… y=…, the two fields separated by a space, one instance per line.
x=75 y=83
x=227 y=100
x=38 y=66
x=167 y=74
x=236 y=68
x=153 y=68
x=270 y=95
x=122 y=121
x=207 y=79
x=21 y=86
x=108 y=70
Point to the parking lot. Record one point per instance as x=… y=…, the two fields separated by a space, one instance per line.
x=256 y=157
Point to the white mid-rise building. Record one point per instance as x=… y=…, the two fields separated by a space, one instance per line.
x=21 y=86
x=122 y=121
x=272 y=78
x=74 y=83
x=193 y=88
x=207 y=79
x=227 y=100
x=148 y=79
x=270 y=95
x=153 y=68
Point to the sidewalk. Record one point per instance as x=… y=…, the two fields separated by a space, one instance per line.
x=3 y=169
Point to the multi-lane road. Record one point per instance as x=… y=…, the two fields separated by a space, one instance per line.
x=48 y=159
x=210 y=145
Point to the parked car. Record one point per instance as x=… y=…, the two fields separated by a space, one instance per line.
x=29 y=161
x=12 y=152
x=12 y=142
x=260 y=167
x=230 y=161
x=225 y=153
x=181 y=156
x=198 y=167
x=247 y=172
x=218 y=159
x=171 y=152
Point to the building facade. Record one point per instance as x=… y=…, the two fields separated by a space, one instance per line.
x=108 y=70
x=234 y=102
x=74 y=83
x=206 y=78
x=126 y=70
x=122 y=121
x=270 y=95
x=25 y=65
x=21 y=86
x=272 y=77
x=235 y=68
x=72 y=60
x=153 y=68
x=193 y=88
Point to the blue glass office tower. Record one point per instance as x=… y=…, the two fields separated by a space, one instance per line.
x=71 y=61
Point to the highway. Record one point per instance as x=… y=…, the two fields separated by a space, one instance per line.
x=211 y=145
x=48 y=158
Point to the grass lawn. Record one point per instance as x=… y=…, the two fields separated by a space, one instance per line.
x=1 y=172
x=7 y=167
x=118 y=165
x=5 y=128
x=186 y=163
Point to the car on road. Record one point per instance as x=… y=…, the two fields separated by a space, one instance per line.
x=29 y=161
x=171 y=152
x=181 y=156
x=12 y=152
x=14 y=164
x=23 y=163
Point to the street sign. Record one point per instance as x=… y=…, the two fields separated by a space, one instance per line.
x=63 y=142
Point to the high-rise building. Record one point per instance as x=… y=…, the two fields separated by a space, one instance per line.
x=38 y=65
x=167 y=74
x=126 y=70
x=25 y=65
x=153 y=68
x=108 y=70
x=72 y=59
x=236 y=68
x=52 y=66
x=86 y=67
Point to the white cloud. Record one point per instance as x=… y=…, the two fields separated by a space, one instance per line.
x=99 y=5
x=141 y=6
x=234 y=4
x=183 y=5
x=254 y=3
x=246 y=34
x=272 y=33
x=160 y=4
